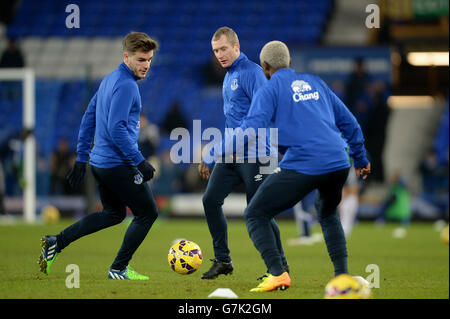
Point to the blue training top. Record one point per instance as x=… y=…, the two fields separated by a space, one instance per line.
x=241 y=82
x=313 y=124
x=113 y=115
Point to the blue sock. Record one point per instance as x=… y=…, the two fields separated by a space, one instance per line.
x=306 y=231
x=335 y=241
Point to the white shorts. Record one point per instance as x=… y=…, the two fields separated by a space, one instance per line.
x=351 y=178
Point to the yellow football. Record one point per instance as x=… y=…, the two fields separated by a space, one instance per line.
x=50 y=214
x=444 y=235
x=347 y=287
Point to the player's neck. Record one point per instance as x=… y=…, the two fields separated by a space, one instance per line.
x=272 y=71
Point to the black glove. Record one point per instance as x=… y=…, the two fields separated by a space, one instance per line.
x=76 y=175
x=147 y=170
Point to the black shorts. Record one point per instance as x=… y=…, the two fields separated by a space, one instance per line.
x=122 y=186
x=282 y=190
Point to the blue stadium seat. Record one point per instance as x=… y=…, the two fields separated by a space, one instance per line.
x=115 y=18
x=184 y=30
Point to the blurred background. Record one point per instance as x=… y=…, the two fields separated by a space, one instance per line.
x=389 y=63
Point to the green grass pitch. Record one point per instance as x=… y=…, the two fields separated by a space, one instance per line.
x=416 y=266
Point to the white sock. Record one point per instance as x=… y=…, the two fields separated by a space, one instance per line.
x=300 y=216
x=347 y=211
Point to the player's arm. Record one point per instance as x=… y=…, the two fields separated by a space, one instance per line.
x=87 y=131
x=253 y=81
x=351 y=130
x=259 y=116
x=261 y=110
x=85 y=138
x=122 y=100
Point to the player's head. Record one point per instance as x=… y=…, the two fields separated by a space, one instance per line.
x=225 y=45
x=138 y=50
x=274 y=56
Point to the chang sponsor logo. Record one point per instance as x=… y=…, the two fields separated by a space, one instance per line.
x=299 y=87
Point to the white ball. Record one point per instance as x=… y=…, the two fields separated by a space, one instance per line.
x=399 y=233
x=361 y=280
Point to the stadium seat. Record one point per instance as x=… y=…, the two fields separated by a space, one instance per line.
x=64 y=58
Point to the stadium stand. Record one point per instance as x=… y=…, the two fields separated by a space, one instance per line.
x=69 y=63
x=82 y=56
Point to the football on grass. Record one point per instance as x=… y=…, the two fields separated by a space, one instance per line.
x=347 y=287
x=184 y=257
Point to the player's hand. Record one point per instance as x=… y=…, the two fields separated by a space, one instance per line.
x=363 y=171
x=203 y=170
x=147 y=170
x=76 y=175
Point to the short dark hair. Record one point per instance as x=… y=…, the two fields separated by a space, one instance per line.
x=138 y=41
